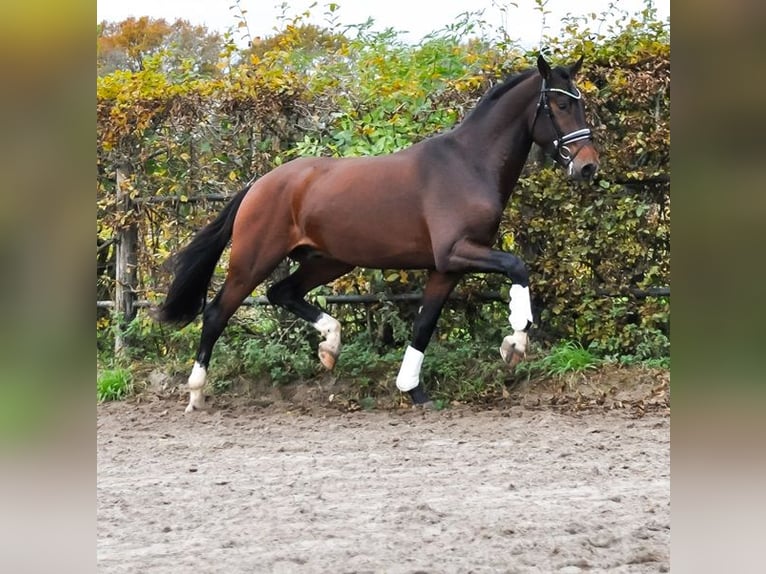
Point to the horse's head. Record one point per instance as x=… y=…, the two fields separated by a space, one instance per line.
x=559 y=126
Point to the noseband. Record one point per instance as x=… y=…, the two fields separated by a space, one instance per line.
x=562 y=141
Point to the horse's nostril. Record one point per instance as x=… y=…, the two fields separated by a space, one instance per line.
x=588 y=171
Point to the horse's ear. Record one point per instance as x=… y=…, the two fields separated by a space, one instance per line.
x=543 y=67
x=574 y=68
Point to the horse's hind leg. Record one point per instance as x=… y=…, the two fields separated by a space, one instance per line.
x=438 y=288
x=240 y=282
x=314 y=270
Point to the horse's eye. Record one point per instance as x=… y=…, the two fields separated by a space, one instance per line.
x=562 y=104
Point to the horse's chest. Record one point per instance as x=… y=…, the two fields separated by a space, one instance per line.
x=480 y=215
x=476 y=218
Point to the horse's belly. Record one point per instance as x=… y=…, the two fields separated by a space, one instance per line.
x=368 y=237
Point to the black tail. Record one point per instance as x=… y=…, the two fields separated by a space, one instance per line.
x=193 y=267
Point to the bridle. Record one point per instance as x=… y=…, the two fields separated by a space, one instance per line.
x=562 y=141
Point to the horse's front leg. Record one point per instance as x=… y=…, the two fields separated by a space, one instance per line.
x=514 y=346
x=467 y=256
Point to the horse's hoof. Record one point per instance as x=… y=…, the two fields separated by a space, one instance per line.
x=511 y=351
x=196 y=401
x=426 y=406
x=327 y=356
x=515 y=360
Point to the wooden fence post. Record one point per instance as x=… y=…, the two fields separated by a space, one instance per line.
x=125 y=263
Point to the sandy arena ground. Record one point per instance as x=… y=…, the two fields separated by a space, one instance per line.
x=248 y=488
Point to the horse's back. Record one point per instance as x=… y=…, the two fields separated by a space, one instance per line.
x=366 y=211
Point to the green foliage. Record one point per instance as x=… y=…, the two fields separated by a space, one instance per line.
x=370 y=370
x=367 y=403
x=280 y=360
x=147 y=340
x=114 y=384
x=653 y=363
x=465 y=371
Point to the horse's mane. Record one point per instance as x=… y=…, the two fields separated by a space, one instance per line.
x=497 y=91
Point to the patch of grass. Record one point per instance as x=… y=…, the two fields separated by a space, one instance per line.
x=370 y=370
x=654 y=363
x=281 y=360
x=440 y=404
x=463 y=371
x=367 y=403
x=114 y=384
x=562 y=359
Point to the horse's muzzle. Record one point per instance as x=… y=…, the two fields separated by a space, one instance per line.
x=584 y=164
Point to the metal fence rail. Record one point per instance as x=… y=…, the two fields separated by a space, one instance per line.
x=417 y=296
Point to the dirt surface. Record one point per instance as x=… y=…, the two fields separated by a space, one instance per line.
x=260 y=485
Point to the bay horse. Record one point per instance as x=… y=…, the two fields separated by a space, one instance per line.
x=435 y=205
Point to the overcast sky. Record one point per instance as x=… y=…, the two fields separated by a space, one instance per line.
x=414 y=17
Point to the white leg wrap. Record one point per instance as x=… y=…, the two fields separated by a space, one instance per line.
x=409 y=373
x=520 y=307
x=330 y=328
x=197 y=377
x=196 y=382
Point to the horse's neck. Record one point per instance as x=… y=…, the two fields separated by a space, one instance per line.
x=501 y=139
